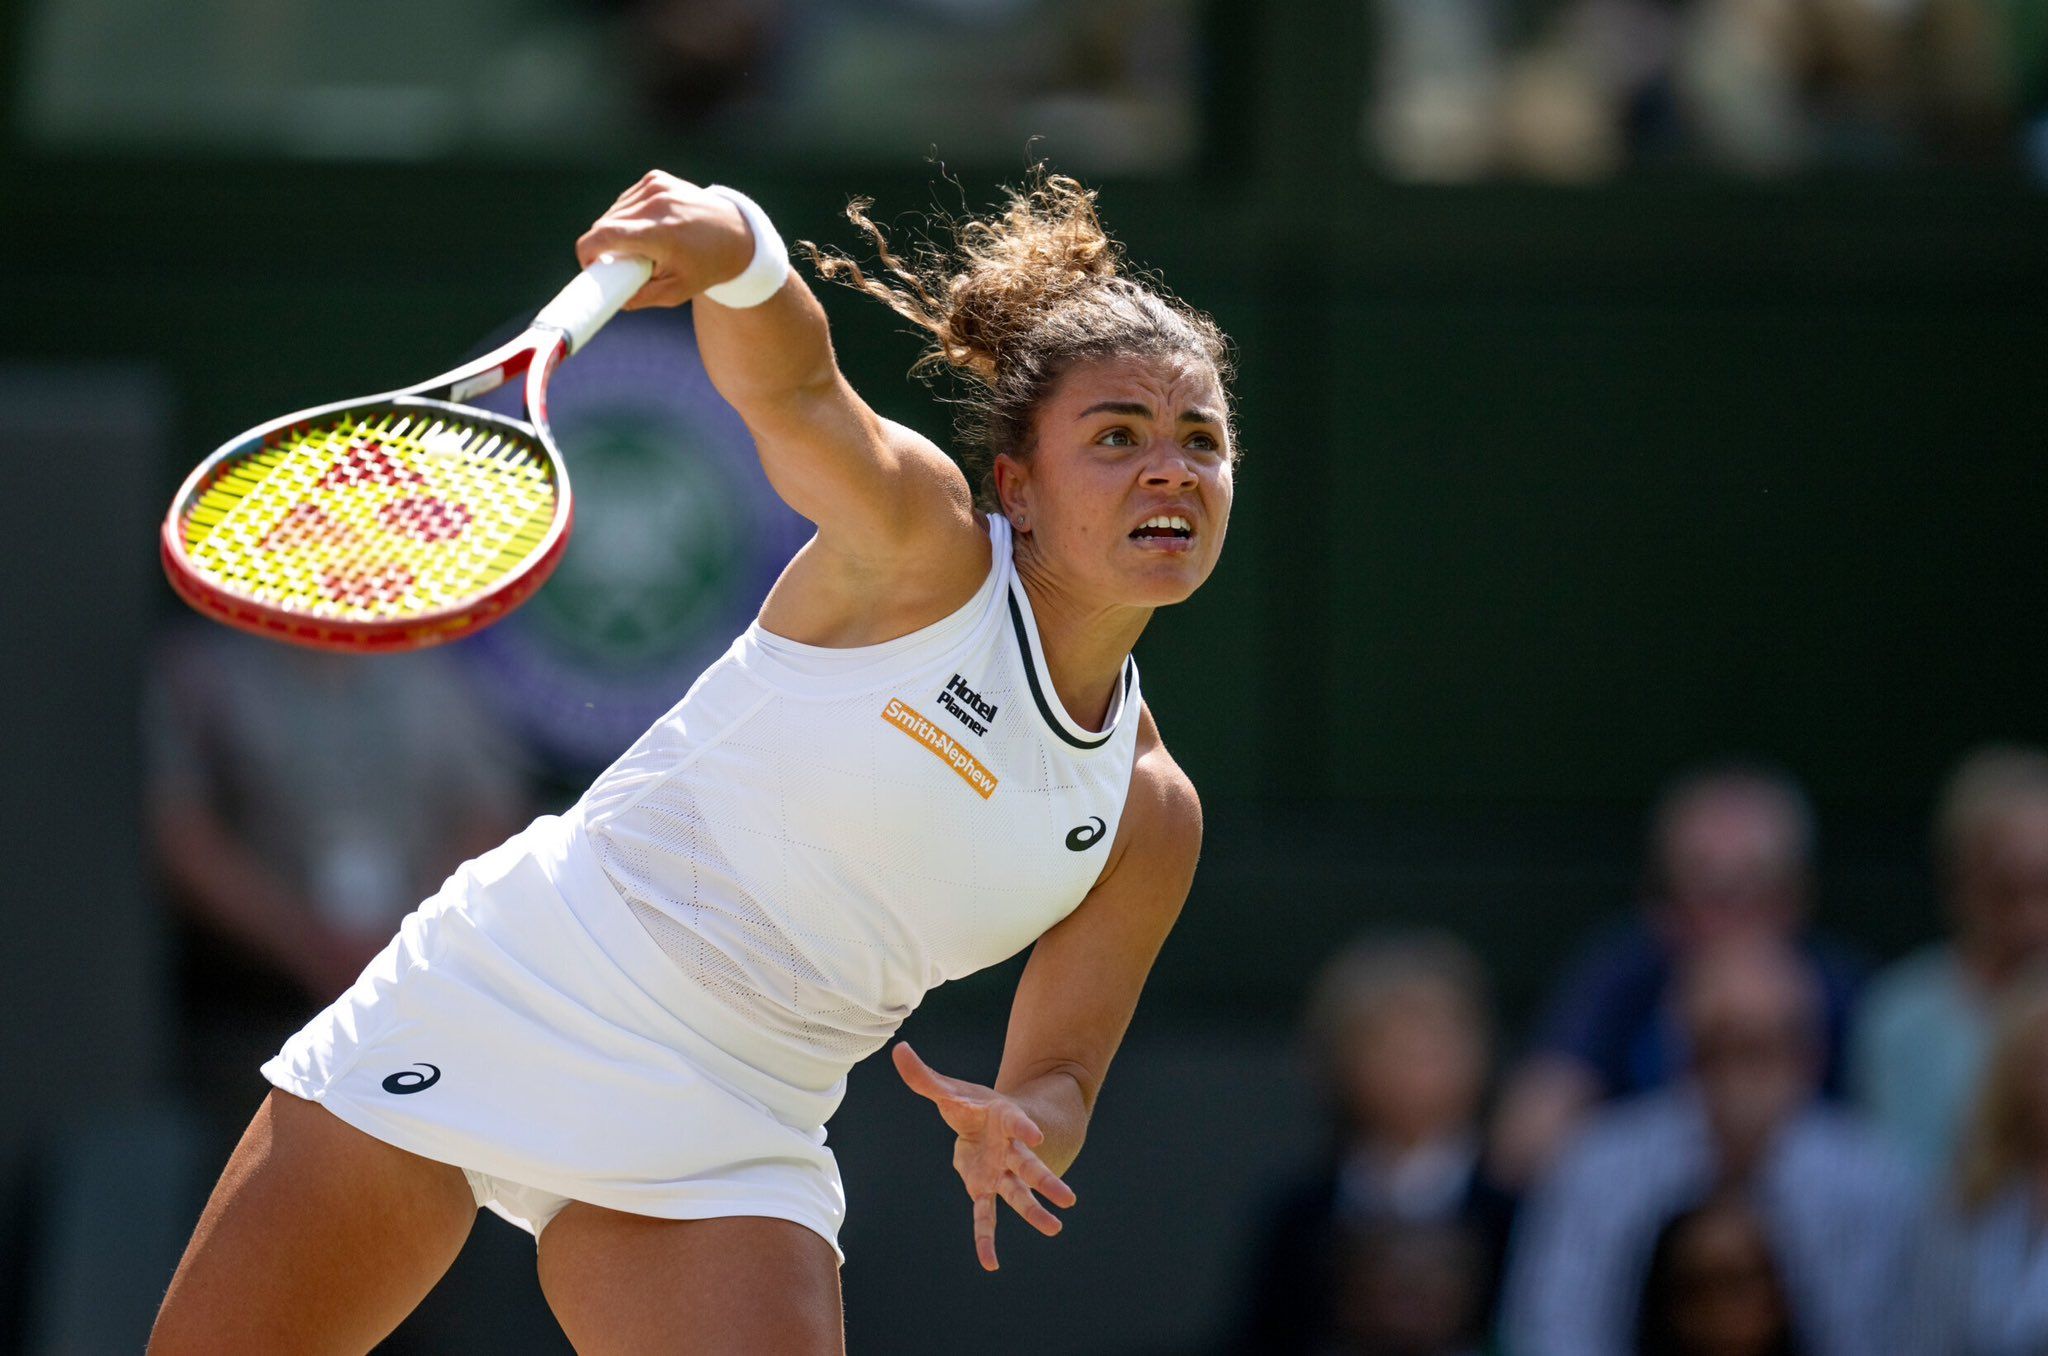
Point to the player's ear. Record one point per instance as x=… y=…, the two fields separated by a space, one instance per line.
x=1013 y=490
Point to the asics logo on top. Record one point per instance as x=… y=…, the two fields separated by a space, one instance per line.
x=1086 y=836
x=967 y=705
x=412 y=1080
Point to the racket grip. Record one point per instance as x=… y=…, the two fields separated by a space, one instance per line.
x=581 y=309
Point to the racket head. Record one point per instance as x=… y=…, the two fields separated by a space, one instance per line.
x=382 y=524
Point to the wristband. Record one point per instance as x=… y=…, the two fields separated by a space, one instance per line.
x=766 y=271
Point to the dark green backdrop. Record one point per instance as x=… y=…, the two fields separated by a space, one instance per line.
x=1545 y=493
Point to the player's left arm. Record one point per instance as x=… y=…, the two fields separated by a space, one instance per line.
x=1071 y=1010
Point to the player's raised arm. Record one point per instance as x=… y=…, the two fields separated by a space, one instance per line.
x=876 y=490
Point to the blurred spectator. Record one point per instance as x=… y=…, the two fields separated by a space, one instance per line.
x=1435 y=88
x=1760 y=87
x=1921 y=1032
x=696 y=58
x=1837 y=1204
x=1731 y=859
x=1714 y=1287
x=1112 y=85
x=1407 y=1289
x=300 y=804
x=1985 y=1281
x=1394 y=1243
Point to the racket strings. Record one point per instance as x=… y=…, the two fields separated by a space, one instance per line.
x=374 y=515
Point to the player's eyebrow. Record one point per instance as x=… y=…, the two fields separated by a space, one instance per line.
x=1136 y=410
x=1126 y=407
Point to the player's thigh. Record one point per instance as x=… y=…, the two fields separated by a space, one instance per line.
x=628 y=1285
x=318 y=1238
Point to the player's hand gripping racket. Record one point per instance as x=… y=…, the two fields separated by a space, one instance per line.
x=395 y=521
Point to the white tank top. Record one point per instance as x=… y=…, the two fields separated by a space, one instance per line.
x=817 y=837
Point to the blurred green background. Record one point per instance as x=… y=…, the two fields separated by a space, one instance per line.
x=1560 y=474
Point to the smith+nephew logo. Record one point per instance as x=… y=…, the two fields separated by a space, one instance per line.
x=941 y=746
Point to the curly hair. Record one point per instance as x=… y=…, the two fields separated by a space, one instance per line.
x=1019 y=297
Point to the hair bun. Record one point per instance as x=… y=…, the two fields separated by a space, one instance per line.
x=1004 y=273
x=1019 y=296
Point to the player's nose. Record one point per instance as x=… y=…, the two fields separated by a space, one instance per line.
x=1170 y=468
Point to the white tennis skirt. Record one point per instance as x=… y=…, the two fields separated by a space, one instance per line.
x=530 y=1043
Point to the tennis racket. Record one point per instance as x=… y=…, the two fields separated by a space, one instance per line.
x=395 y=521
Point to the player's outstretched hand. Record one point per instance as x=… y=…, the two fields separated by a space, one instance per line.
x=993 y=1154
x=695 y=239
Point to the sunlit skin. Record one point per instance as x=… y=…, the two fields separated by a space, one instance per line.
x=1118 y=441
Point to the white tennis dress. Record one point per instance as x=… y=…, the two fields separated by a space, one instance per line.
x=651 y=1002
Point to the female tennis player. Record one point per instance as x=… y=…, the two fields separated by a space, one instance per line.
x=625 y=1028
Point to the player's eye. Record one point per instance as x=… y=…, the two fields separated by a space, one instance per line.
x=1203 y=442
x=1117 y=437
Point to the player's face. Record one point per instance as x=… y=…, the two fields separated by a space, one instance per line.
x=1127 y=488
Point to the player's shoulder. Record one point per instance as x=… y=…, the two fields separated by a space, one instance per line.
x=1162 y=799
x=1159 y=838
x=937 y=524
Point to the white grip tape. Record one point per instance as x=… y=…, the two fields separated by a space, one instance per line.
x=595 y=296
x=766 y=271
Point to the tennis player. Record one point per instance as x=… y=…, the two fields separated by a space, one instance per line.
x=625 y=1029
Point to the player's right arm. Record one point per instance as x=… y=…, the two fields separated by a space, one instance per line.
x=893 y=511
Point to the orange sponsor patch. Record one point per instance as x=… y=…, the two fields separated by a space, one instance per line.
x=943 y=746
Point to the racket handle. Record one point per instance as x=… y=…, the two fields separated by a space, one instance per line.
x=595 y=296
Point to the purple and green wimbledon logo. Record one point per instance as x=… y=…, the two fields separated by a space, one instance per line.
x=678 y=536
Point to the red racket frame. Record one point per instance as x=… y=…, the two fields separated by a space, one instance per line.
x=559 y=330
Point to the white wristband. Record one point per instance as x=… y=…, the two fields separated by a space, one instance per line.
x=766 y=271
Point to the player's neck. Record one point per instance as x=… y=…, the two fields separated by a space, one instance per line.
x=1085 y=642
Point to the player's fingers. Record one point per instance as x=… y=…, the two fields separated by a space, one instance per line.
x=656 y=294
x=1024 y=1203
x=612 y=238
x=654 y=204
x=657 y=182
x=614 y=235
x=649 y=186
x=1020 y=1126
x=1040 y=1178
x=630 y=199
x=985 y=1231
x=924 y=1080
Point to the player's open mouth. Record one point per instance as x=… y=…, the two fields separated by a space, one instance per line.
x=1164 y=530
